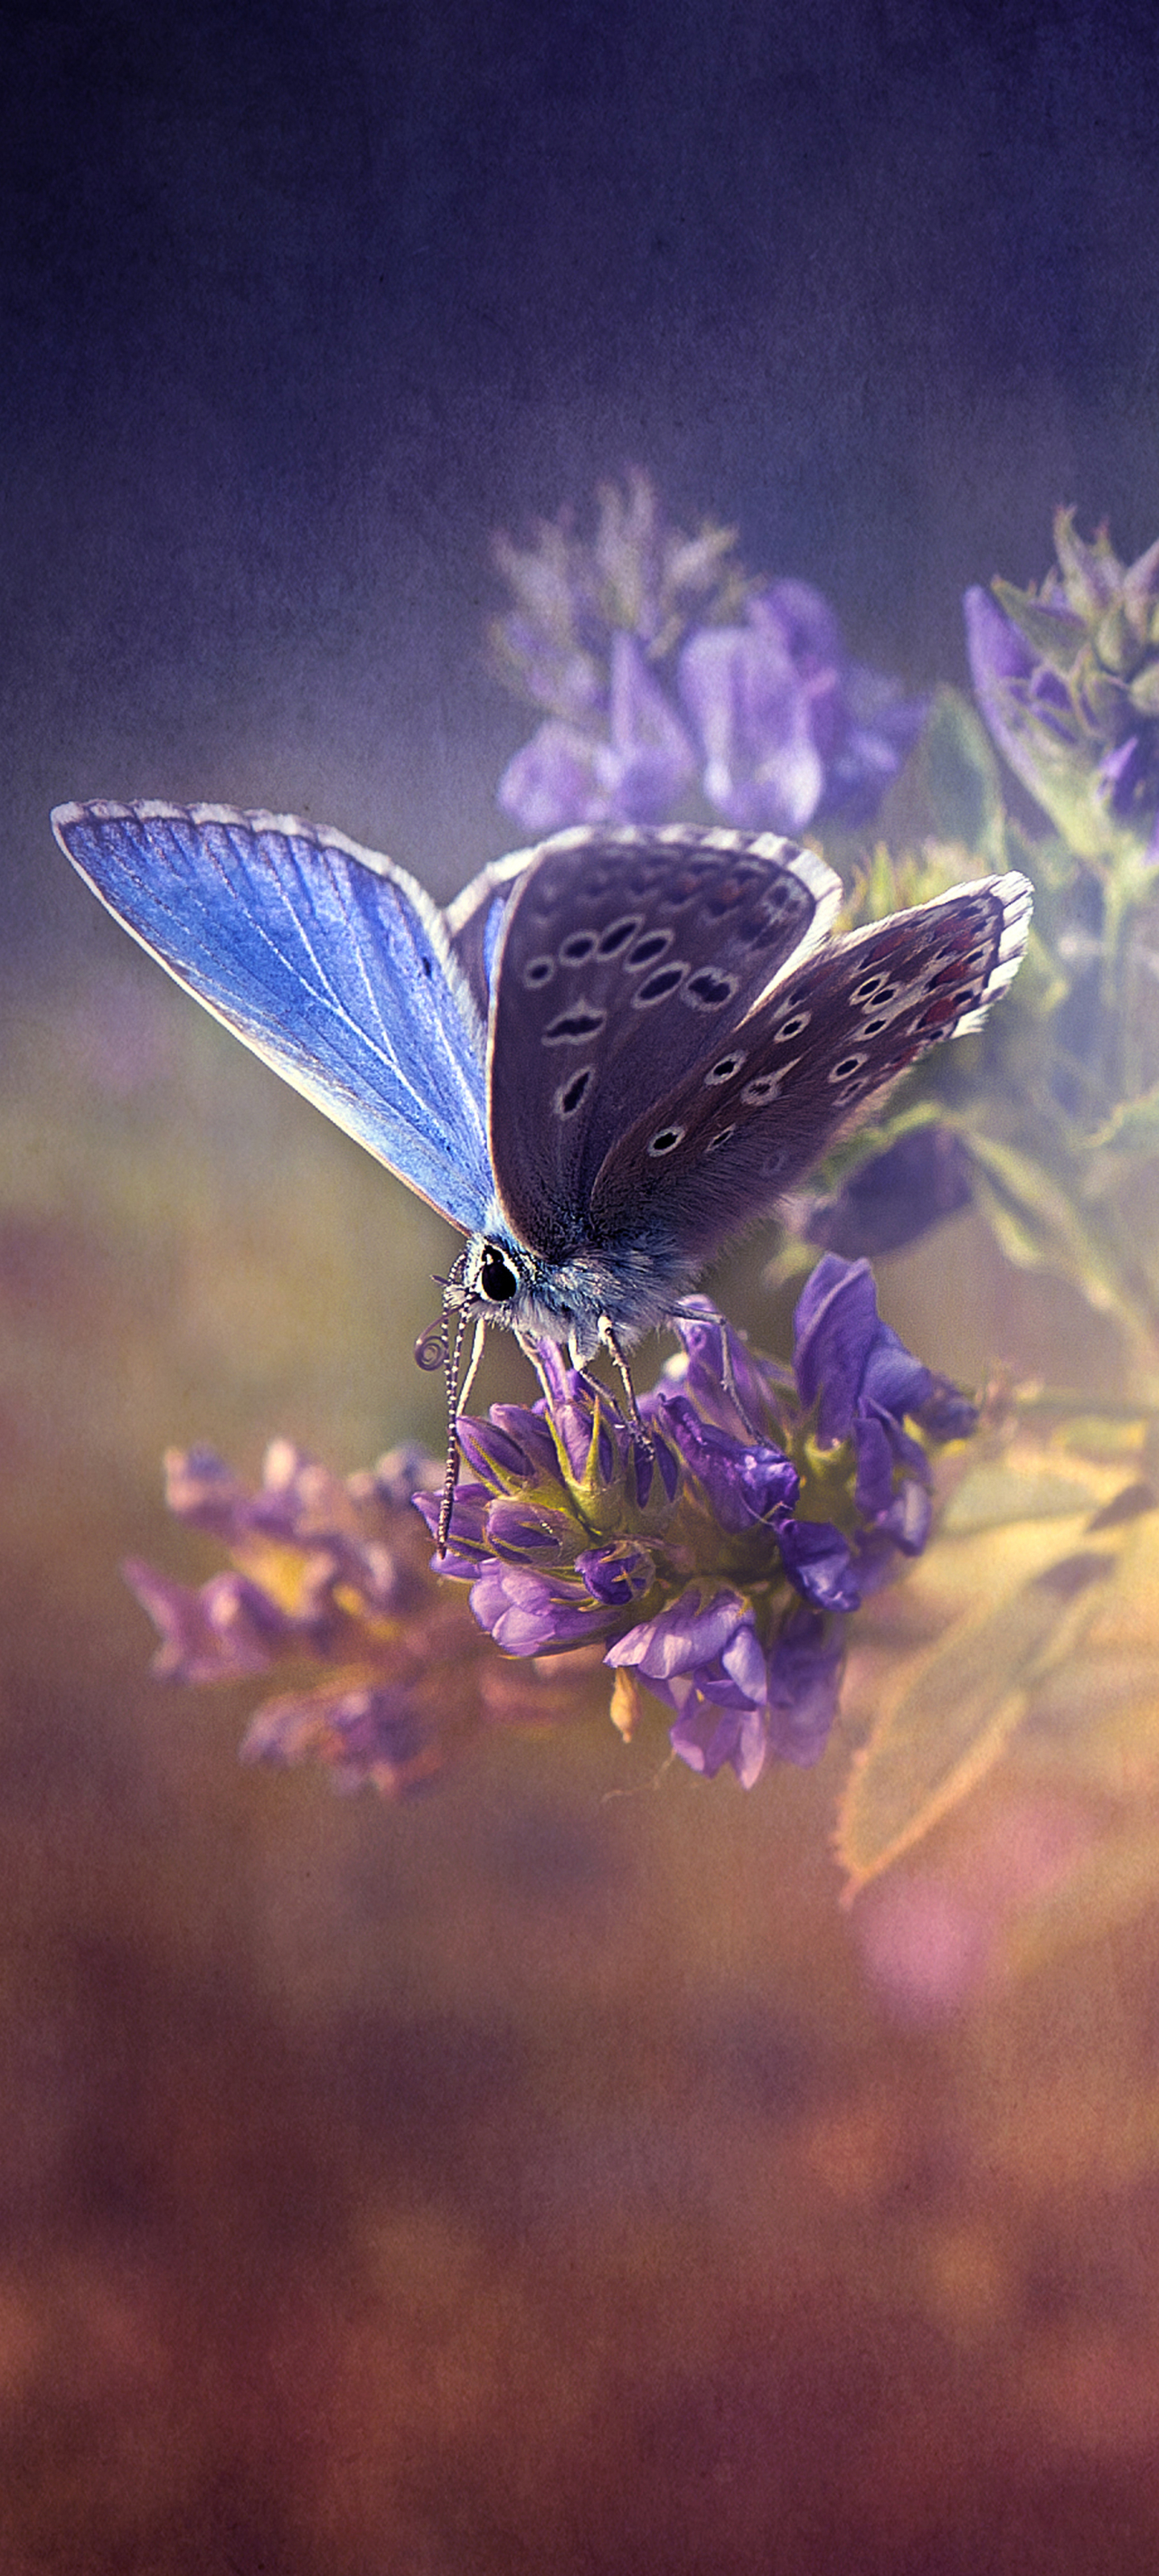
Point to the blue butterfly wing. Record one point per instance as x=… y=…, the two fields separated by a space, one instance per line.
x=332 y=965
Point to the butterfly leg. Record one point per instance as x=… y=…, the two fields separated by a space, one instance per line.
x=698 y=1310
x=611 y=1346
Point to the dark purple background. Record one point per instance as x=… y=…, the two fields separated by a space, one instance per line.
x=303 y=300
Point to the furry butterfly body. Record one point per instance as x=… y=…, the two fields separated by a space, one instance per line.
x=610 y=1054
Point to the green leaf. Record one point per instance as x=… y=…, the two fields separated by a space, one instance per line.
x=1144 y=690
x=1053 y=633
x=1038 y=1227
x=1133 y=1123
x=1091 y=574
x=998 y=1492
x=942 y=1726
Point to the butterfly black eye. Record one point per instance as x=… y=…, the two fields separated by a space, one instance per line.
x=496 y=1276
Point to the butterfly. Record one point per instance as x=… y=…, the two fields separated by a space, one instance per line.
x=607 y=1056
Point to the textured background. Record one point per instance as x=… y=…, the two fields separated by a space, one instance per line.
x=303 y=301
x=534 y=2177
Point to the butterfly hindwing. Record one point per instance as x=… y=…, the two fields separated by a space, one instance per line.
x=788 y=1081
x=475 y=919
x=621 y=956
x=332 y=965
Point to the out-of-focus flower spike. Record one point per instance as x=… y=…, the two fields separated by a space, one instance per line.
x=221 y=1633
x=655 y=661
x=1067 y=678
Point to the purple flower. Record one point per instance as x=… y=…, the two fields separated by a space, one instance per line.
x=762 y=768
x=690 y=1551
x=846 y=1359
x=367 y=1736
x=223 y=1632
x=655 y=660
x=863 y=1384
x=634 y=770
x=789 y=1720
x=895 y=1197
x=707 y=1550
x=710 y=1738
x=333 y=1575
x=705 y=1661
x=1067 y=678
x=693 y=1633
x=819 y=1563
x=804 y=1681
x=536 y=1614
x=617 y=1572
x=726 y=1382
x=1025 y=700
x=736 y=1702
x=744 y=1483
x=790 y=728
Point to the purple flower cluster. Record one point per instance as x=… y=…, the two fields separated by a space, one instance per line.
x=707 y=1552
x=714 y=1549
x=330 y=1578
x=659 y=666
x=1067 y=678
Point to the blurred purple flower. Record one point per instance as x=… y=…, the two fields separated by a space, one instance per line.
x=332 y=1574
x=634 y=771
x=655 y=660
x=762 y=768
x=791 y=729
x=894 y=1197
x=1067 y=678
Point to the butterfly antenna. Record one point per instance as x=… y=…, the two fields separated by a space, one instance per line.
x=452 y=1355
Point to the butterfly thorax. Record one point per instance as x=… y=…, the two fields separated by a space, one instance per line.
x=625 y=1289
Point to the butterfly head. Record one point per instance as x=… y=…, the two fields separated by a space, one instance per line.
x=591 y=1296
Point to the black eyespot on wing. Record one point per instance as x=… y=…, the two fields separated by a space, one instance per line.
x=571 y=1094
x=661 y=986
x=649 y=950
x=578 y=948
x=708 y=990
x=575 y=1027
x=725 y=1069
